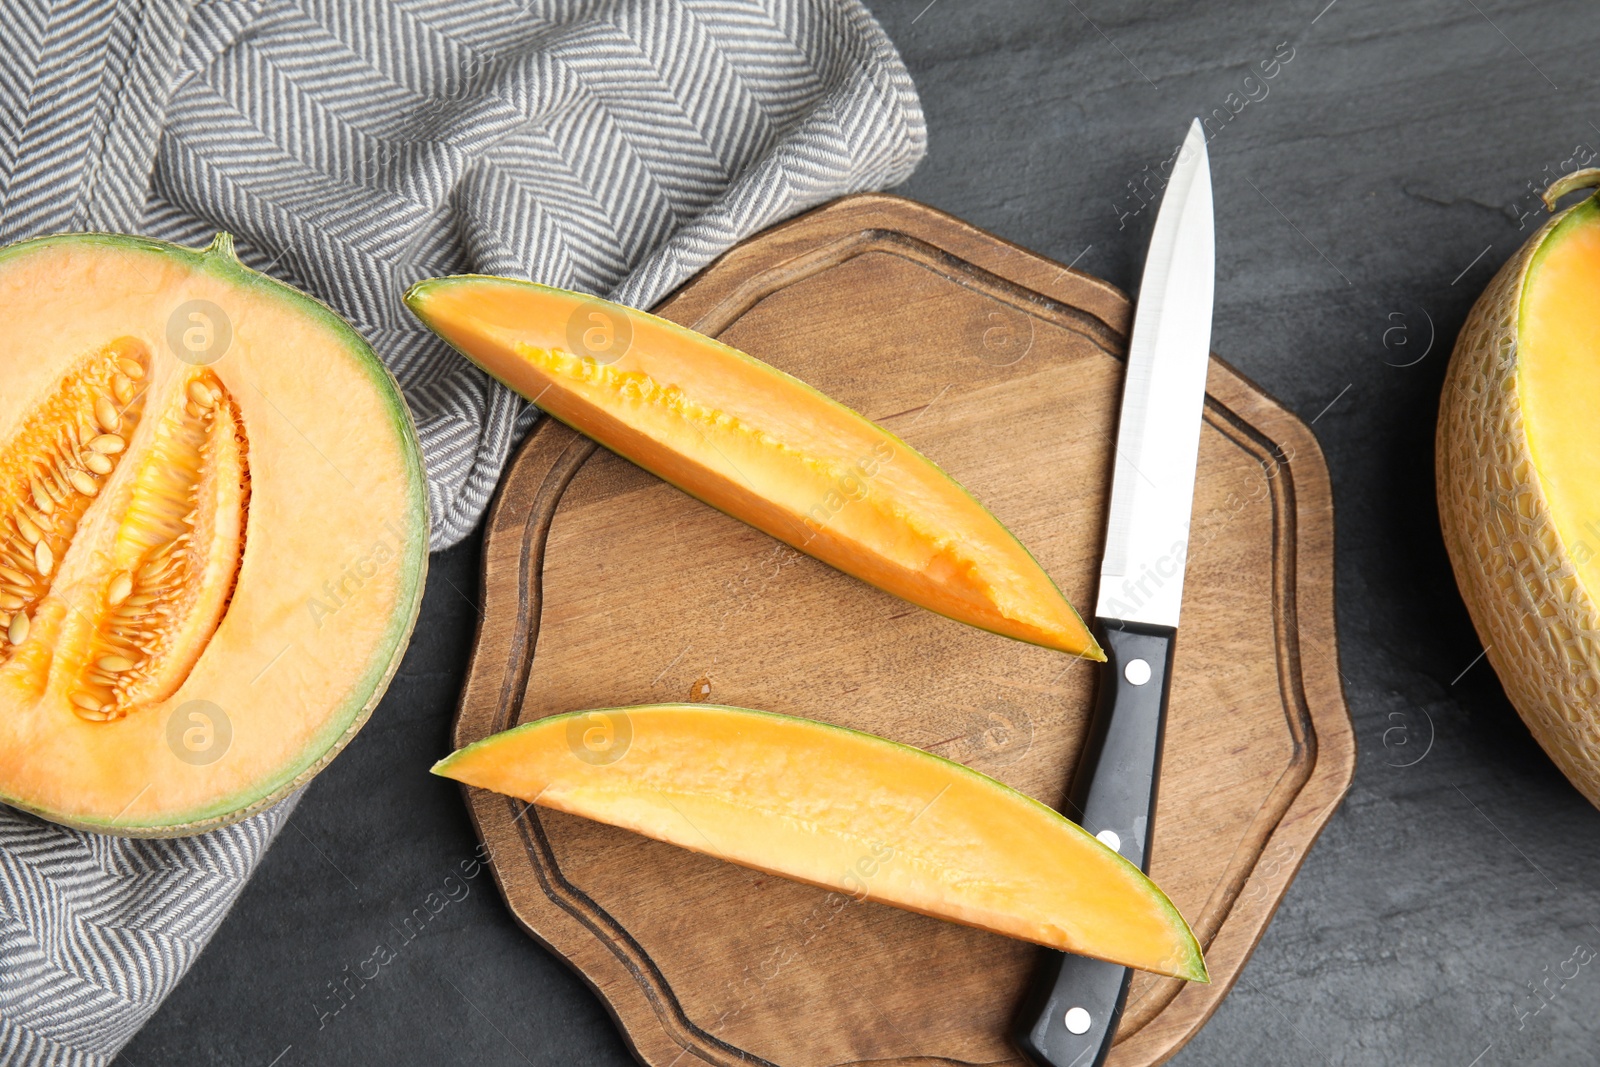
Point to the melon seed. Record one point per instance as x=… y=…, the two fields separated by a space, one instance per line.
x=86 y=702
x=122 y=388
x=105 y=413
x=82 y=482
x=15 y=577
x=41 y=499
x=131 y=368
x=107 y=443
x=114 y=664
x=121 y=586
x=43 y=558
x=10 y=601
x=30 y=532
x=139 y=601
x=200 y=394
x=97 y=463
x=17 y=632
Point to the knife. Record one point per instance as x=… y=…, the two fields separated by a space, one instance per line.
x=1071 y=1012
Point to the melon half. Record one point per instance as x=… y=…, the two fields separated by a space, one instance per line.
x=1518 y=468
x=213 y=534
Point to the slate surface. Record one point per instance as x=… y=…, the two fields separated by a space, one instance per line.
x=1364 y=196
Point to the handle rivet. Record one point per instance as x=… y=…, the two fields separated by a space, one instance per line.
x=1110 y=839
x=1137 y=671
x=1078 y=1021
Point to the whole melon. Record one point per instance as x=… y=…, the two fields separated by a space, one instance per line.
x=213 y=534
x=1518 y=472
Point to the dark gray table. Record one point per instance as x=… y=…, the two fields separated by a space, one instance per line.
x=1365 y=193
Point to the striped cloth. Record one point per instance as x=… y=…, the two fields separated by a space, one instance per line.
x=353 y=147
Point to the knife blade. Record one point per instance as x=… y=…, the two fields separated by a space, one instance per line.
x=1071 y=1013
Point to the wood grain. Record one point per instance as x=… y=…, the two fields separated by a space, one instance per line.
x=603 y=586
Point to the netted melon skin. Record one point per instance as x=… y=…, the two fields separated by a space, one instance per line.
x=1521 y=587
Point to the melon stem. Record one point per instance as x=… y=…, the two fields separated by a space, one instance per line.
x=1587 y=178
x=221 y=245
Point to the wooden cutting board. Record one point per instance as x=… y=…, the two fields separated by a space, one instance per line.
x=603 y=586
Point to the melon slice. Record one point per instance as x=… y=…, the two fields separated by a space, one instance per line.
x=758 y=444
x=1519 y=480
x=213 y=534
x=845 y=811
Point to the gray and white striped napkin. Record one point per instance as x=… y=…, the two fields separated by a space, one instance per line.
x=352 y=147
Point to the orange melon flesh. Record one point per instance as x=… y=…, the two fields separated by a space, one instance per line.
x=210 y=561
x=1558 y=381
x=845 y=811
x=759 y=445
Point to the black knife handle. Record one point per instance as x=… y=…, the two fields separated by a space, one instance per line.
x=1113 y=792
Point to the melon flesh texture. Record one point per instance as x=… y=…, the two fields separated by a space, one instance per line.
x=243 y=538
x=759 y=445
x=845 y=811
x=1558 y=381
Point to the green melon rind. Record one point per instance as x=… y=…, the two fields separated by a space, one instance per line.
x=1580 y=214
x=219 y=259
x=419 y=291
x=1195 y=965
